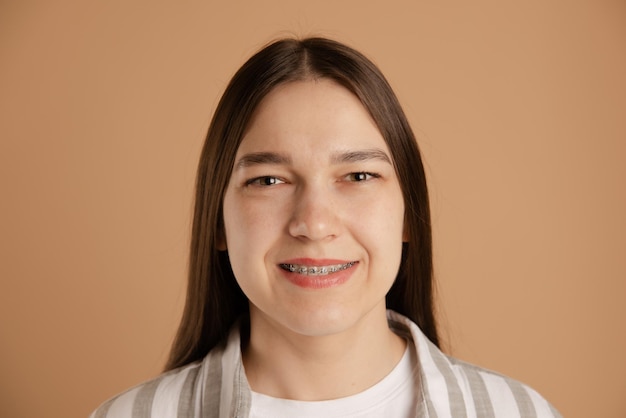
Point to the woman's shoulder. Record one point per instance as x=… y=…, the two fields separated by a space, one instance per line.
x=495 y=394
x=171 y=394
x=188 y=391
x=451 y=387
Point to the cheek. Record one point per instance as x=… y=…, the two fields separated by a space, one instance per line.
x=249 y=225
x=240 y=242
x=383 y=213
x=386 y=230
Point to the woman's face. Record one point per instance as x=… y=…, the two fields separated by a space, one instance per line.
x=313 y=211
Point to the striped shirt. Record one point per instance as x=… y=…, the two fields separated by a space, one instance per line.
x=216 y=387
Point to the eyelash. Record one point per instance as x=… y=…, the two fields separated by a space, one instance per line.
x=363 y=174
x=268 y=181
x=259 y=181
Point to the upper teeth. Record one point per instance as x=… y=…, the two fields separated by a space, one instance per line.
x=316 y=270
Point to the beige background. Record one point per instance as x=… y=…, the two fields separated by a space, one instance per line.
x=520 y=109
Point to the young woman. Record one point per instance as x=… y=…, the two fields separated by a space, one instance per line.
x=310 y=280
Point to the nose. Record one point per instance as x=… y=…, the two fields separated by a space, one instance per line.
x=315 y=214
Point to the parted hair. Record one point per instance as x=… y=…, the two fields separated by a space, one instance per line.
x=214 y=299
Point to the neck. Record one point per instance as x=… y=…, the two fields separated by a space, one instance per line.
x=285 y=364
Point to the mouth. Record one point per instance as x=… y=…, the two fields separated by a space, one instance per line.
x=305 y=270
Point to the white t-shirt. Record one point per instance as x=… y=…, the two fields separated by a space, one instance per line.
x=394 y=396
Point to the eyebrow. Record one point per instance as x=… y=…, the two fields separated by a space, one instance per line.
x=273 y=158
x=257 y=158
x=360 y=155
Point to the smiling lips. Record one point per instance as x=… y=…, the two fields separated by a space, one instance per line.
x=317 y=274
x=316 y=270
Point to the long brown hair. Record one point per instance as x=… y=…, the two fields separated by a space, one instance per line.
x=214 y=299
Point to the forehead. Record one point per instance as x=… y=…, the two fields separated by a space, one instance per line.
x=312 y=114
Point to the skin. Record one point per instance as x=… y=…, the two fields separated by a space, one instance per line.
x=314 y=185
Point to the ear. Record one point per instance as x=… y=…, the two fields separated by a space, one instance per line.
x=405 y=233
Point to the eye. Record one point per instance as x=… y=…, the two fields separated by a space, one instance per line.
x=264 y=181
x=361 y=176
